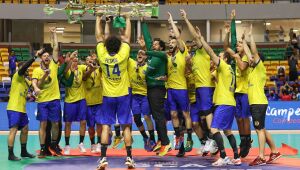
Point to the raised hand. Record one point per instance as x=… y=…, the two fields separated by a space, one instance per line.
x=227 y=28
x=183 y=13
x=52 y=29
x=170 y=19
x=141 y=41
x=250 y=31
x=233 y=14
x=198 y=31
x=74 y=55
x=39 y=52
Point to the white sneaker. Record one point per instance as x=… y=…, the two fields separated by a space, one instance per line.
x=67 y=150
x=102 y=163
x=81 y=148
x=98 y=148
x=236 y=162
x=93 y=148
x=130 y=163
x=213 y=147
x=206 y=146
x=222 y=162
x=200 y=151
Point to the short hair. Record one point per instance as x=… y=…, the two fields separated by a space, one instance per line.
x=112 y=44
x=228 y=57
x=162 y=44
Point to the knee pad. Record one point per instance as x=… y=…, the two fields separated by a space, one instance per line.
x=138 y=120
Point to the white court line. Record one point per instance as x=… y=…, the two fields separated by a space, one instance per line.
x=171 y=132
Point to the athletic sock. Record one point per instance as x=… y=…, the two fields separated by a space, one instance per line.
x=151 y=133
x=81 y=139
x=67 y=139
x=128 y=150
x=92 y=140
x=219 y=140
x=233 y=145
x=189 y=132
x=43 y=147
x=202 y=140
x=103 y=150
x=177 y=132
x=143 y=133
x=118 y=131
x=11 y=150
x=98 y=139
x=23 y=148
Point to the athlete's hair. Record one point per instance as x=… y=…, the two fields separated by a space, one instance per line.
x=112 y=44
x=162 y=44
x=228 y=58
x=20 y=64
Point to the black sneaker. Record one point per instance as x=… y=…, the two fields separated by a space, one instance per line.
x=27 y=155
x=55 y=150
x=181 y=152
x=13 y=158
x=42 y=154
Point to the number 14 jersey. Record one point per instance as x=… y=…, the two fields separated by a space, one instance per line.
x=114 y=70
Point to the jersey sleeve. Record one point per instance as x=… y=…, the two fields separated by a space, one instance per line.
x=245 y=59
x=100 y=49
x=124 y=50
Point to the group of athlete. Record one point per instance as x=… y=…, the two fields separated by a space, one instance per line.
x=198 y=92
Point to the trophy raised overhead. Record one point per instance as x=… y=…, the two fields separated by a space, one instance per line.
x=75 y=10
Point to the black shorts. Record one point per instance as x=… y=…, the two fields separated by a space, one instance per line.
x=258 y=112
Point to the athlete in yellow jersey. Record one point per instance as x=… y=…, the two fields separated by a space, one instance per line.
x=139 y=102
x=93 y=94
x=177 y=88
x=113 y=54
x=258 y=103
x=45 y=84
x=225 y=102
x=16 y=109
x=204 y=87
x=242 y=113
x=75 y=108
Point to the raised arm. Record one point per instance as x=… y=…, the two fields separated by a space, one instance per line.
x=227 y=34
x=98 y=29
x=246 y=48
x=107 y=27
x=177 y=34
x=208 y=49
x=28 y=63
x=191 y=28
x=253 y=46
x=146 y=35
x=54 y=43
x=127 y=36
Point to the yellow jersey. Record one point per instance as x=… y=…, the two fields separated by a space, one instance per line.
x=50 y=88
x=256 y=82
x=18 y=93
x=93 y=88
x=137 y=77
x=242 y=78
x=77 y=91
x=224 y=92
x=201 y=69
x=191 y=87
x=176 y=71
x=114 y=70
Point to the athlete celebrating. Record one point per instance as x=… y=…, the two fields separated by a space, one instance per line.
x=16 y=109
x=113 y=54
x=259 y=103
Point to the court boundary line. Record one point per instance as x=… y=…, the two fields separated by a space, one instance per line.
x=170 y=132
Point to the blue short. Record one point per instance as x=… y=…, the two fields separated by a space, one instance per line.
x=140 y=104
x=167 y=111
x=223 y=117
x=93 y=115
x=204 y=97
x=116 y=107
x=75 y=112
x=178 y=100
x=194 y=112
x=242 y=106
x=49 y=111
x=17 y=119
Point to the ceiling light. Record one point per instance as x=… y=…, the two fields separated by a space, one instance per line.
x=238 y=22
x=59 y=31
x=60 y=28
x=268 y=23
x=295 y=30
